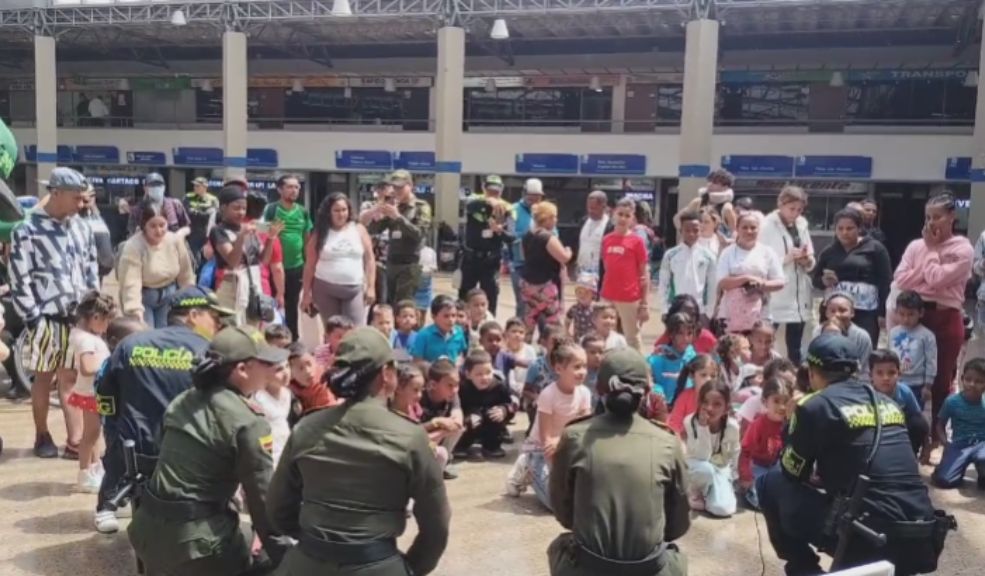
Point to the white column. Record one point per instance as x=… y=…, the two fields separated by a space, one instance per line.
x=234 y=115
x=619 y=105
x=448 y=123
x=698 y=109
x=976 y=218
x=45 y=104
x=176 y=183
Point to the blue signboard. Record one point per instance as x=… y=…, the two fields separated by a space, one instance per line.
x=759 y=166
x=198 y=156
x=96 y=155
x=958 y=168
x=414 y=161
x=64 y=155
x=146 y=158
x=614 y=164
x=546 y=164
x=364 y=159
x=834 y=167
x=261 y=158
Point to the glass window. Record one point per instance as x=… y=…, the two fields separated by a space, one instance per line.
x=669 y=98
x=537 y=107
x=771 y=103
x=916 y=101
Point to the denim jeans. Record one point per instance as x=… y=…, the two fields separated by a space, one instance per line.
x=752 y=497
x=157 y=304
x=540 y=478
x=958 y=455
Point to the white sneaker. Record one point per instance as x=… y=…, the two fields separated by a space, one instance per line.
x=89 y=481
x=124 y=511
x=106 y=522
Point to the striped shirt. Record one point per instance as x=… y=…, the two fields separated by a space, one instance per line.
x=52 y=265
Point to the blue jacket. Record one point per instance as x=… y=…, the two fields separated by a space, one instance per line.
x=522 y=220
x=665 y=365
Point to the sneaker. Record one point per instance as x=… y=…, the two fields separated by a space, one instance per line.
x=506 y=437
x=460 y=455
x=495 y=453
x=44 y=446
x=106 y=522
x=89 y=481
x=124 y=511
x=696 y=501
x=515 y=490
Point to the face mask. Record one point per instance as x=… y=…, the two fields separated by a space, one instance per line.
x=155 y=193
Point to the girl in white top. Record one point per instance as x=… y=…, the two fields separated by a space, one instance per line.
x=339 y=268
x=748 y=271
x=712 y=441
x=88 y=351
x=276 y=403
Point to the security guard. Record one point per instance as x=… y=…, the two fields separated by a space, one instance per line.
x=408 y=221
x=142 y=376
x=833 y=434
x=202 y=208
x=618 y=483
x=348 y=472
x=215 y=439
x=485 y=235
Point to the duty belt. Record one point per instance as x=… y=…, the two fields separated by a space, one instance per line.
x=649 y=566
x=180 y=510
x=482 y=254
x=348 y=553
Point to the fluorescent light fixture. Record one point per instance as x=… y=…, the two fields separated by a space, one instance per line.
x=123 y=84
x=595 y=84
x=490 y=85
x=341 y=8
x=206 y=85
x=837 y=79
x=389 y=85
x=178 y=18
x=297 y=85
x=971 y=80
x=347 y=92
x=499 y=30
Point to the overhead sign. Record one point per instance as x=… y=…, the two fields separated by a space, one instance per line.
x=546 y=163
x=364 y=159
x=261 y=158
x=614 y=164
x=904 y=74
x=198 y=156
x=767 y=76
x=744 y=166
x=958 y=168
x=146 y=158
x=414 y=161
x=63 y=156
x=96 y=155
x=834 y=167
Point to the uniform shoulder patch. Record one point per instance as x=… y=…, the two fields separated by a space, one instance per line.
x=253 y=406
x=267 y=443
x=663 y=426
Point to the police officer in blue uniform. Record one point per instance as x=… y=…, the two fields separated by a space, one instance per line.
x=142 y=376
x=835 y=442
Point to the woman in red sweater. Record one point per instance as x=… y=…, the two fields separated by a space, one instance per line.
x=763 y=440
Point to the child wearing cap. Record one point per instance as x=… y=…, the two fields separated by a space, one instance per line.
x=578 y=319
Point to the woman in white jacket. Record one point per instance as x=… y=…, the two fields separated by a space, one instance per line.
x=787 y=233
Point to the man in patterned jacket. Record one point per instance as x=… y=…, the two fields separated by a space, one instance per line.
x=52 y=265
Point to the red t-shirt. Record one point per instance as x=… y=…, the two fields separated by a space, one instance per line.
x=705 y=343
x=622 y=255
x=761 y=445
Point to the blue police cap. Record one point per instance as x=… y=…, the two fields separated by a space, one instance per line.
x=833 y=352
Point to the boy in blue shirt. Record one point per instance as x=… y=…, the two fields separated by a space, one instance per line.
x=405 y=334
x=966 y=413
x=884 y=367
x=444 y=338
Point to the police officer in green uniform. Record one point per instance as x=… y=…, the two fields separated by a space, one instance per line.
x=618 y=484
x=348 y=472
x=215 y=439
x=485 y=235
x=833 y=437
x=408 y=221
x=202 y=208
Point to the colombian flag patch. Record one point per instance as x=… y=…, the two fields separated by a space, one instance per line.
x=267 y=443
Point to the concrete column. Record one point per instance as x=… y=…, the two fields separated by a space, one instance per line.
x=448 y=123
x=619 y=106
x=976 y=218
x=45 y=104
x=698 y=109
x=176 y=183
x=234 y=107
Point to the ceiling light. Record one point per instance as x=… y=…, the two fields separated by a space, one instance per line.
x=347 y=92
x=341 y=8
x=297 y=85
x=206 y=85
x=490 y=85
x=178 y=18
x=971 y=79
x=595 y=84
x=837 y=79
x=123 y=84
x=389 y=85
x=499 y=30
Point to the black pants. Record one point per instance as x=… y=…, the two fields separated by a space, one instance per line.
x=794 y=339
x=868 y=320
x=489 y=434
x=484 y=271
x=292 y=297
x=918 y=429
x=114 y=471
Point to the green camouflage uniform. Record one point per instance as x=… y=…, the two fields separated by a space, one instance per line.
x=408 y=234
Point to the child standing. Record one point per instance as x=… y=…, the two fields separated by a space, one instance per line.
x=335 y=328
x=276 y=400
x=696 y=373
x=763 y=440
x=89 y=351
x=838 y=309
x=966 y=414
x=733 y=351
x=309 y=391
x=425 y=292
x=667 y=362
x=381 y=318
x=486 y=405
x=712 y=441
x=516 y=344
x=441 y=408
x=604 y=317
x=443 y=338
x=915 y=345
x=884 y=366
x=578 y=318
x=559 y=403
x=403 y=337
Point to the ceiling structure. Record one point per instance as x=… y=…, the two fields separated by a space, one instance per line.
x=141 y=31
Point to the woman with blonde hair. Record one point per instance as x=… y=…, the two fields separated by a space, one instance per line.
x=544 y=256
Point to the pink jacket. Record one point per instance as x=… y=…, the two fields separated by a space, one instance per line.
x=937 y=274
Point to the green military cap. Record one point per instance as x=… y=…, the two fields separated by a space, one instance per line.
x=494 y=181
x=201 y=180
x=241 y=344
x=361 y=352
x=196 y=297
x=400 y=178
x=624 y=369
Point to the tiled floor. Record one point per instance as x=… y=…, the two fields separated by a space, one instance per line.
x=46 y=528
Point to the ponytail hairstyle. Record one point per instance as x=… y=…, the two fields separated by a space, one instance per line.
x=675 y=323
x=726 y=349
x=722 y=387
x=212 y=371
x=562 y=352
x=699 y=362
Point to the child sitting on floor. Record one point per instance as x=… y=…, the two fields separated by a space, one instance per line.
x=578 y=318
x=966 y=414
x=335 y=328
x=441 y=408
x=594 y=349
x=704 y=340
x=559 y=403
x=696 y=373
x=477 y=307
x=307 y=386
x=276 y=400
x=540 y=373
x=666 y=364
x=443 y=338
x=753 y=404
x=733 y=351
x=712 y=441
x=277 y=335
x=761 y=340
x=763 y=440
x=403 y=336
x=604 y=318
x=516 y=344
x=884 y=368
x=838 y=309
x=491 y=340
x=381 y=318
x=486 y=405
x=407 y=401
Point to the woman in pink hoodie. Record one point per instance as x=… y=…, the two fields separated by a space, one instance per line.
x=938 y=267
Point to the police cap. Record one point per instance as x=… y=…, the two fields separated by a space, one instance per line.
x=361 y=352
x=400 y=178
x=623 y=370
x=241 y=344
x=195 y=298
x=832 y=352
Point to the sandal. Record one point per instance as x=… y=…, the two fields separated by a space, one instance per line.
x=71 y=452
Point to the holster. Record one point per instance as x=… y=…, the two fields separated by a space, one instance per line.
x=649 y=566
x=915 y=546
x=348 y=553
